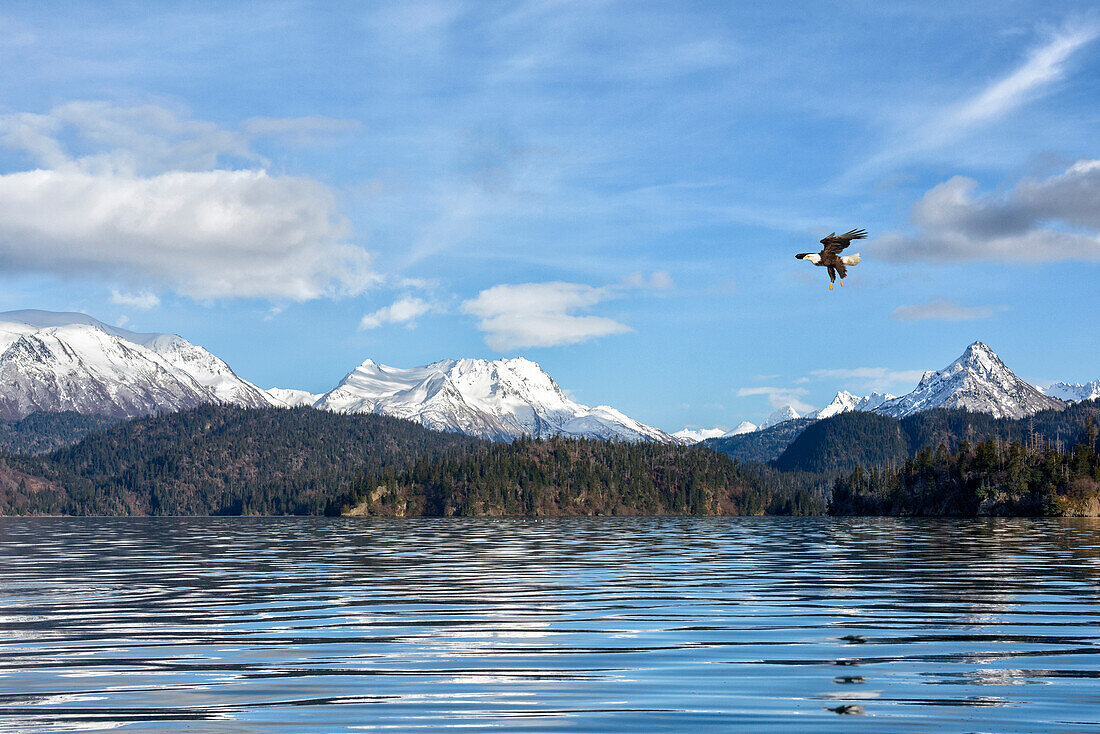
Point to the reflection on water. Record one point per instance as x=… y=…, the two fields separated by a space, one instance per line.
x=311 y=624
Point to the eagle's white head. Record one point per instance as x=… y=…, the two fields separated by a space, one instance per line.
x=812 y=257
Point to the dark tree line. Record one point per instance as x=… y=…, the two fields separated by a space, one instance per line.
x=220 y=460
x=993 y=477
x=40 y=433
x=568 y=477
x=839 y=443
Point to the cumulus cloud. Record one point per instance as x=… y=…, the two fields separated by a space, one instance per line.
x=143 y=301
x=1039 y=220
x=940 y=309
x=541 y=314
x=401 y=311
x=207 y=234
x=779 y=396
x=148 y=194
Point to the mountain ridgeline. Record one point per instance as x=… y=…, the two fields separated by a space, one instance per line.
x=990 y=478
x=841 y=443
x=218 y=460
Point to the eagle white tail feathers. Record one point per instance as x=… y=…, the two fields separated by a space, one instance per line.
x=850 y=260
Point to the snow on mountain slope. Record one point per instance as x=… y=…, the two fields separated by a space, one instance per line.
x=499 y=400
x=1074 y=391
x=209 y=371
x=786 y=413
x=742 y=427
x=71 y=361
x=696 y=435
x=82 y=368
x=977 y=381
x=290 y=398
x=846 y=402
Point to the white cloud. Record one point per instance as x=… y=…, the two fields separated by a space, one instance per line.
x=540 y=314
x=779 y=396
x=145 y=193
x=143 y=301
x=940 y=309
x=1039 y=220
x=1044 y=66
x=401 y=311
x=142 y=139
x=660 y=280
x=211 y=234
x=877 y=379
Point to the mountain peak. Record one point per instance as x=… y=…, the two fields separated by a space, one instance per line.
x=786 y=413
x=495 y=399
x=977 y=381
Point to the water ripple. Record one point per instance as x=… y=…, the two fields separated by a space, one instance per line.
x=642 y=624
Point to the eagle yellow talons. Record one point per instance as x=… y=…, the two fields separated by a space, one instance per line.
x=842 y=282
x=830 y=286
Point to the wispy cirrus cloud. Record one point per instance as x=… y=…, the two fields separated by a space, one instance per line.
x=1044 y=65
x=779 y=396
x=300 y=129
x=940 y=309
x=867 y=379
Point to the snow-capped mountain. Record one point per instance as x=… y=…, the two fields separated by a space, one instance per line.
x=786 y=413
x=1074 y=391
x=63 y=361
x=696 y=435
x=291 y=398
x=209 y=371
x=977 y=381
x=846 y=402
x=742 y=427
x=499 y=400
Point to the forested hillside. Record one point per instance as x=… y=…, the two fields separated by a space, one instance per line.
x=845 y=441
x=221 y=460
x=560 y=476
x=991 y=478
x=848 y=440
x=40 y=433
x=760 y=446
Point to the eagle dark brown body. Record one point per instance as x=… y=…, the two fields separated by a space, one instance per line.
x=830 y=256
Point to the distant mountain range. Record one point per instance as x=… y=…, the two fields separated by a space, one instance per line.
x=500 y=400
x=53 y=362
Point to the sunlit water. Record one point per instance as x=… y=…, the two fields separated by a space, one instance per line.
x=295 y=625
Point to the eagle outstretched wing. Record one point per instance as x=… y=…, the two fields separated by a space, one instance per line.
x=834 y=243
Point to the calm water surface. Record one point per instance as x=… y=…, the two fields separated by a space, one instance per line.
x=303 y=625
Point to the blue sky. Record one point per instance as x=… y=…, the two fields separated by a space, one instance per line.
x=615 y=190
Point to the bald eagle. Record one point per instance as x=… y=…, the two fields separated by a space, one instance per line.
x=830 y=256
